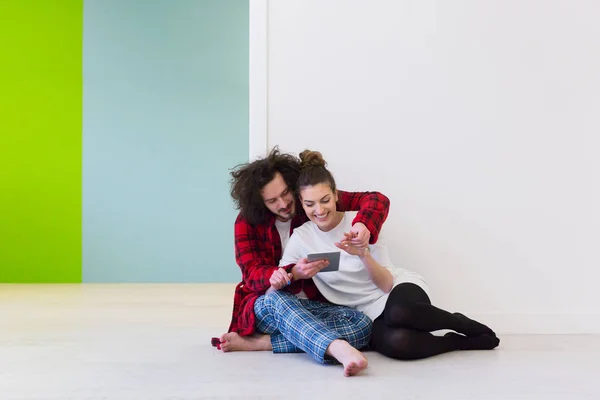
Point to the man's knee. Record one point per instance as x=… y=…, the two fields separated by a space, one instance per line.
x=357 y=327
x=270 y=303
x=356 y=318
x=261 y=307
x=277 y=299
x=364 y=322
x=265 y=316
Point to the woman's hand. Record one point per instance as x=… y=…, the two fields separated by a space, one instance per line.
x=306 y=270
x=349 y=247
x=280 y=279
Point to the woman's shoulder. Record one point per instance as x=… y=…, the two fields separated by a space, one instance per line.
x=305 y=229
x=350 y=215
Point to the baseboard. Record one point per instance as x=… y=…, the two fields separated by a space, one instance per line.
x=221 y=295
x=556 y=324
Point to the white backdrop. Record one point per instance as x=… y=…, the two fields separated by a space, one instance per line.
x=479 y=120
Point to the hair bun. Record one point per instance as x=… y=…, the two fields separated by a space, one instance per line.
x=310 y=158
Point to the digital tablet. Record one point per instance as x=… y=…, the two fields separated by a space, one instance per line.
x=333 y=258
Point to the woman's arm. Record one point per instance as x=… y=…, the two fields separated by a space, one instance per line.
x=381 y=276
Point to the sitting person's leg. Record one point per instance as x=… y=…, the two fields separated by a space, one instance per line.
x=402 y=331
x=282 y=313
x=266 y=338
x=408 y=306
x=232 y=341
x=411 y=344
x=351 y=325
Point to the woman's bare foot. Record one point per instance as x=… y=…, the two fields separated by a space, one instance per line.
x=234 y=342
x=353 y=360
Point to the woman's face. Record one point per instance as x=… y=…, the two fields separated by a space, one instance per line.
x=319 y=204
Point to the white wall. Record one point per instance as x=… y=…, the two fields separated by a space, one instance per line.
x=480 y=121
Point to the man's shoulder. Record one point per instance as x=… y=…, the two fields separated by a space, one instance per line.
x=242 y=222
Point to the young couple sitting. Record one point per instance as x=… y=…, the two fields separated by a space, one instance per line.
x=285 y=304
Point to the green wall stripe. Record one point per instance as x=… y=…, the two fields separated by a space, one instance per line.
x=40 y=140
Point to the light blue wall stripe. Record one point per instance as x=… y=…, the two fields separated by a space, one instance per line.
x=165 y=117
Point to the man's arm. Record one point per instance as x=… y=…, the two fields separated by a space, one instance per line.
x=254 y=256
x=372 y=207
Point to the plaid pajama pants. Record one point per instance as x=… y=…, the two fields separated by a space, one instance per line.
x=299 y=325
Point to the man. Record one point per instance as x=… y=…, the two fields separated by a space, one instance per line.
x=264 y=192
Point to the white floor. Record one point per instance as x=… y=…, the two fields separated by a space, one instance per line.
x=152 y=342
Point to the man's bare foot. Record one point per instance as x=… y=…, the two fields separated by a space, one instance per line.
x=232 y=341
x=354 y=361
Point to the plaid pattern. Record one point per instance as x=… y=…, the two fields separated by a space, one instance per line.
x=258 y=251
x=297 y=325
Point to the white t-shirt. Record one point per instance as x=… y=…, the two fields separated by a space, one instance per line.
x=351 y=285
x=284 y=231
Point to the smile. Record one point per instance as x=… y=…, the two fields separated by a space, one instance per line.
x=321 y=217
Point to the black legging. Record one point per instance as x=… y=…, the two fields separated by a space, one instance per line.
x=402 y=331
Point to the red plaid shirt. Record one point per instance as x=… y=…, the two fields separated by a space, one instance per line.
x=258 y=251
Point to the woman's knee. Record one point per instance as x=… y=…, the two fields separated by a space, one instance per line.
x=398 y=314
x=409 y=292
x=393 y=342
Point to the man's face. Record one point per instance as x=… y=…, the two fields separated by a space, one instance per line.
x=278 y=198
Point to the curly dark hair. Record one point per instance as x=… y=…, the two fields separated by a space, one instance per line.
x=313 y=170
x=249 y=179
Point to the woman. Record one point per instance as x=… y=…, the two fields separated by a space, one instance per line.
x=395 y=299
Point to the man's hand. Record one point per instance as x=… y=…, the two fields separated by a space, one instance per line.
x=351 y=249
x=306 y=270
x=280 y=279
x=360 y=235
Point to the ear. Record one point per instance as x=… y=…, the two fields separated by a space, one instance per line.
x=335 y=196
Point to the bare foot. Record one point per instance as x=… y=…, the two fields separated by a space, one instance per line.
x=354 y=367
x=232 y=341
x=353 y=360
